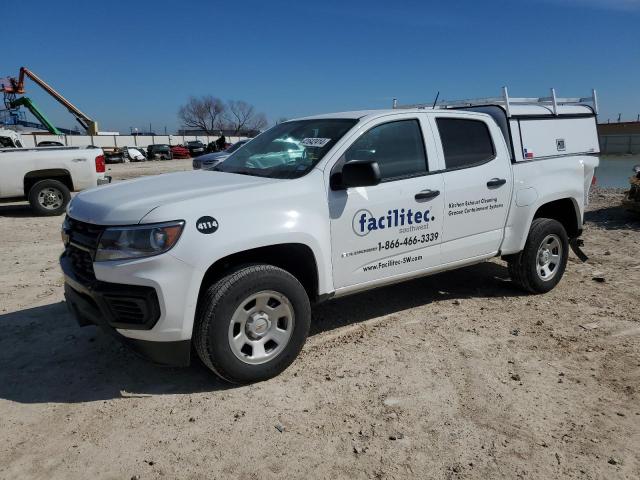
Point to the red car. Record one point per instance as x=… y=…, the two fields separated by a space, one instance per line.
x=178 y=151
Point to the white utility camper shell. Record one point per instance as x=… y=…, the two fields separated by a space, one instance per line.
x=537 y=128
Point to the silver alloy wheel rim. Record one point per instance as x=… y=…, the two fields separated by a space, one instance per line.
x=549 y=257
x=261 y=327
x=50 y=198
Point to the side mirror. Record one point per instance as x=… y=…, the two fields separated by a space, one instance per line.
x=356 y=173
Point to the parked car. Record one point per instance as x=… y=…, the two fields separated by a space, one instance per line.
x=10 y=139
x=113 y=155
x=50 y=143
x=179 y=151
x=212 y=147
x=210 y=160
x=159 y=151
x=228 y=262
x=632 y=200
x=134 y=154
x=196 y=148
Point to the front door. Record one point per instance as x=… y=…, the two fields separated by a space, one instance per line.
x=395 y=227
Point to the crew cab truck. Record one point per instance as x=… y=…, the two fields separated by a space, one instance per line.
x=46 y=176
x=230 y=260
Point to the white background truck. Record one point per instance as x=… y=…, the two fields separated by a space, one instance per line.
x=47 y=175
x=229 y=261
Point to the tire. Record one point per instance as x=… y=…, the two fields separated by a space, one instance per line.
x=49 y=197
x=547 y=239
x=229 y=327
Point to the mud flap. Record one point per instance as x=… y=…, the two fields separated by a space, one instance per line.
x=575 y=244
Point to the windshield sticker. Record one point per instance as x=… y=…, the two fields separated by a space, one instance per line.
x=315 y=142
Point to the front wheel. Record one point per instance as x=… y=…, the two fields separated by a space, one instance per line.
x=541 y=264
x=49 y=197
x=251 y=324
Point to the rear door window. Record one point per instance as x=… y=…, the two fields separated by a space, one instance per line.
x=465 y=142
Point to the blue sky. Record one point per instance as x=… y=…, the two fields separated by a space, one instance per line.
x=131 y=63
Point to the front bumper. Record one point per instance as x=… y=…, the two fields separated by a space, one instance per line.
x=113 y=306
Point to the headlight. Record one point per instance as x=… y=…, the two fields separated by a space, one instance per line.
x=138 y=241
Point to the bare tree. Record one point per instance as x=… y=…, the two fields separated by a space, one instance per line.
x=241 y=116
x=204 y=113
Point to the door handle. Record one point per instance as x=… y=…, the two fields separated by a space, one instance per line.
x=427 y=194
x=496 y=182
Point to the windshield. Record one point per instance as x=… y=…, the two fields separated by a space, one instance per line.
x=288 y=150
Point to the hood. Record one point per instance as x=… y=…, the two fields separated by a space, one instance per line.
x=127 y=202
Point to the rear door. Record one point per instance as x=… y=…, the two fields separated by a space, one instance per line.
x=477 y=184
x=393 y=228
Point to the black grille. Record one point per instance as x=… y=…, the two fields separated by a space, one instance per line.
x=127 y=309
x=83 y=242
x=84 y=234
x=81 y=263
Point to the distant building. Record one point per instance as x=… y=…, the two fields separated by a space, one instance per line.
x=619 y=128
x=619 y=138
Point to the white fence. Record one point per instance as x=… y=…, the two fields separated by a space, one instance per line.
x=32 y=140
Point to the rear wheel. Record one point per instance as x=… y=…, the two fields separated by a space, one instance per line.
x=49 y=197
x=252 y=323
x=541 y=264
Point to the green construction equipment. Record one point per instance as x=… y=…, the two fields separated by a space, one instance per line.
x=29 y=105
x=11 y=87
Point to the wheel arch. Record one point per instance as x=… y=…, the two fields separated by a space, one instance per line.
x=34 y=176
x=565 y=211
x=296 y=258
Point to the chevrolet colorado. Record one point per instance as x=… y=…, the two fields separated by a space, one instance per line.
x=230 y=260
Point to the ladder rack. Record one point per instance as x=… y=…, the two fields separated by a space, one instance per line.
x=506 y=101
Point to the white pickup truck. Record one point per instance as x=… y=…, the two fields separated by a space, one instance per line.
x=46 y=176
x=230 y=260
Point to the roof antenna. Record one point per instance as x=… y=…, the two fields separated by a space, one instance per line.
x=436 y=100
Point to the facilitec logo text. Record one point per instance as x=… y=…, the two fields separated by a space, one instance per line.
x=364 y=221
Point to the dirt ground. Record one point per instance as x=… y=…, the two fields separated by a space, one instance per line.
x=458 y=375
